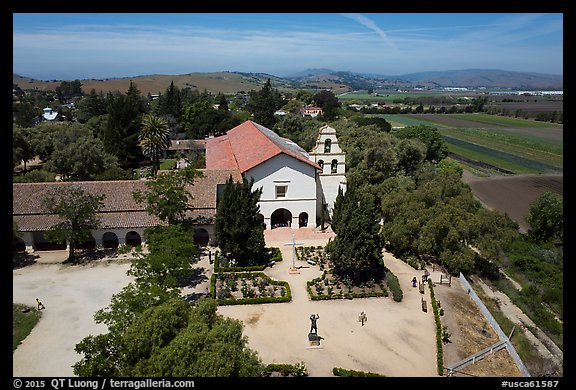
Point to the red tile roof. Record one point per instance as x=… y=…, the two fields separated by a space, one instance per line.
x=120 y=210
x=187 y=144
x=219 y=154
x=248 y=145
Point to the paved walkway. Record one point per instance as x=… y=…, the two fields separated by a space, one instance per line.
x=397 y=340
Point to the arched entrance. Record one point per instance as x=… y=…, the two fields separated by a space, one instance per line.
x=280 y=218
x=201 y=237
x=110 y=240
x=133 y=238
x=18 y=245
x=41 y=243
x=303 y=219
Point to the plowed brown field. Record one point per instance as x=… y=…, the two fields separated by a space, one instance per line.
x=513 y=194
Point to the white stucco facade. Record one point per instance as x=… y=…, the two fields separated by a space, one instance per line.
x=328 y=154
x=287 y=183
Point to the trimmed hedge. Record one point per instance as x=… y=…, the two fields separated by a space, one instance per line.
x=394 y=285
x=322 y=297
x=439 y=352
x=298 y=369
x=337 y=371
x=246 y=301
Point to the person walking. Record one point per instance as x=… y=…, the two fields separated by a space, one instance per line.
x=362 y=318
x=40 y=304
x=414 y=281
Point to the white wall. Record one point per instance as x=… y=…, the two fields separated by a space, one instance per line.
x=299 y=177
x=330 y=184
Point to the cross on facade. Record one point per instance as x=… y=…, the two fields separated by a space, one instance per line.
x=293 y=245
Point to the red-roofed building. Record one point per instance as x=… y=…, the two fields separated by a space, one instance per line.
x=311 y=111
x=292 y=193
x=295 y=186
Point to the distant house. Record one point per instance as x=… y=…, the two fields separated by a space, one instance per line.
x=311 y=111
x=181 y=147
x=280 y=112
x=49 y=114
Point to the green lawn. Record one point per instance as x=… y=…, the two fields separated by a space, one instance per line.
x=167 y=164
x=23 y=323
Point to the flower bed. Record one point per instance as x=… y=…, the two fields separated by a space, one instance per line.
x=233 y=288
x=328 y=286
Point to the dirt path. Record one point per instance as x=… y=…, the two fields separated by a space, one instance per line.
x=545 y=346
x=71 y=294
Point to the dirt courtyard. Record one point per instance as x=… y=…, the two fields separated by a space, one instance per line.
x=398 y=339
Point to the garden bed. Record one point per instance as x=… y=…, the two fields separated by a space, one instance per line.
x=329 y=286
x=233 y=288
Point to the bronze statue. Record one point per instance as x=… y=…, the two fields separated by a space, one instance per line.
x=313 y=319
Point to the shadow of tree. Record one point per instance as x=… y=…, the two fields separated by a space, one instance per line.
x=193 y=279
x=21 y=260
x=194 y=296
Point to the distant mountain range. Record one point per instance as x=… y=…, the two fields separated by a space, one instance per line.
x=467 y=78
x=337 y=81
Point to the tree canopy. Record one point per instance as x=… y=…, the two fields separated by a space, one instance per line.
x=356 y=251
x=239 y=226
x=77 y=210
x=154 y=139
x=167 y=196
x=152 y=331
x=263 y=104
x=546 y=218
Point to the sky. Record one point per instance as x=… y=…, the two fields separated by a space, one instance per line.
x=67 y=46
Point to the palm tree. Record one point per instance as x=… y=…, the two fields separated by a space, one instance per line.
x=154 y=138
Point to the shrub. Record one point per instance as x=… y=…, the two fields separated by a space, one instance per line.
x=394 y=285
x=337 y=371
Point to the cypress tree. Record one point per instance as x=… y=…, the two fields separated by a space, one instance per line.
x=239 y=226
x=356 y=251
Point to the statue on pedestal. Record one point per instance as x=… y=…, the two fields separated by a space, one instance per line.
x=314 y=327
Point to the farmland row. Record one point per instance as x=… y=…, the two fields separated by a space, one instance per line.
x=498 y=158
x=528 y=150
x=529 y=147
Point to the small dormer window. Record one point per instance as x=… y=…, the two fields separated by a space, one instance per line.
x=281 y=191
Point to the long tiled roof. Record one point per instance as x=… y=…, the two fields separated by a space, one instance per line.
x=120 y=210
x=248 y=145
x=187 y=144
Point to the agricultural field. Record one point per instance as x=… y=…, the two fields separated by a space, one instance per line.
x=508 y=162
x=513 y=194
x=389 y=96
x=489 y=144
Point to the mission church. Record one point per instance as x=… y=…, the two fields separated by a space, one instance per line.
x=296 y=185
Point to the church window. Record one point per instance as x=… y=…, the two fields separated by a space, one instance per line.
x=281 y=191
x=327 y=145
x=321 y=164
x=334 y=166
